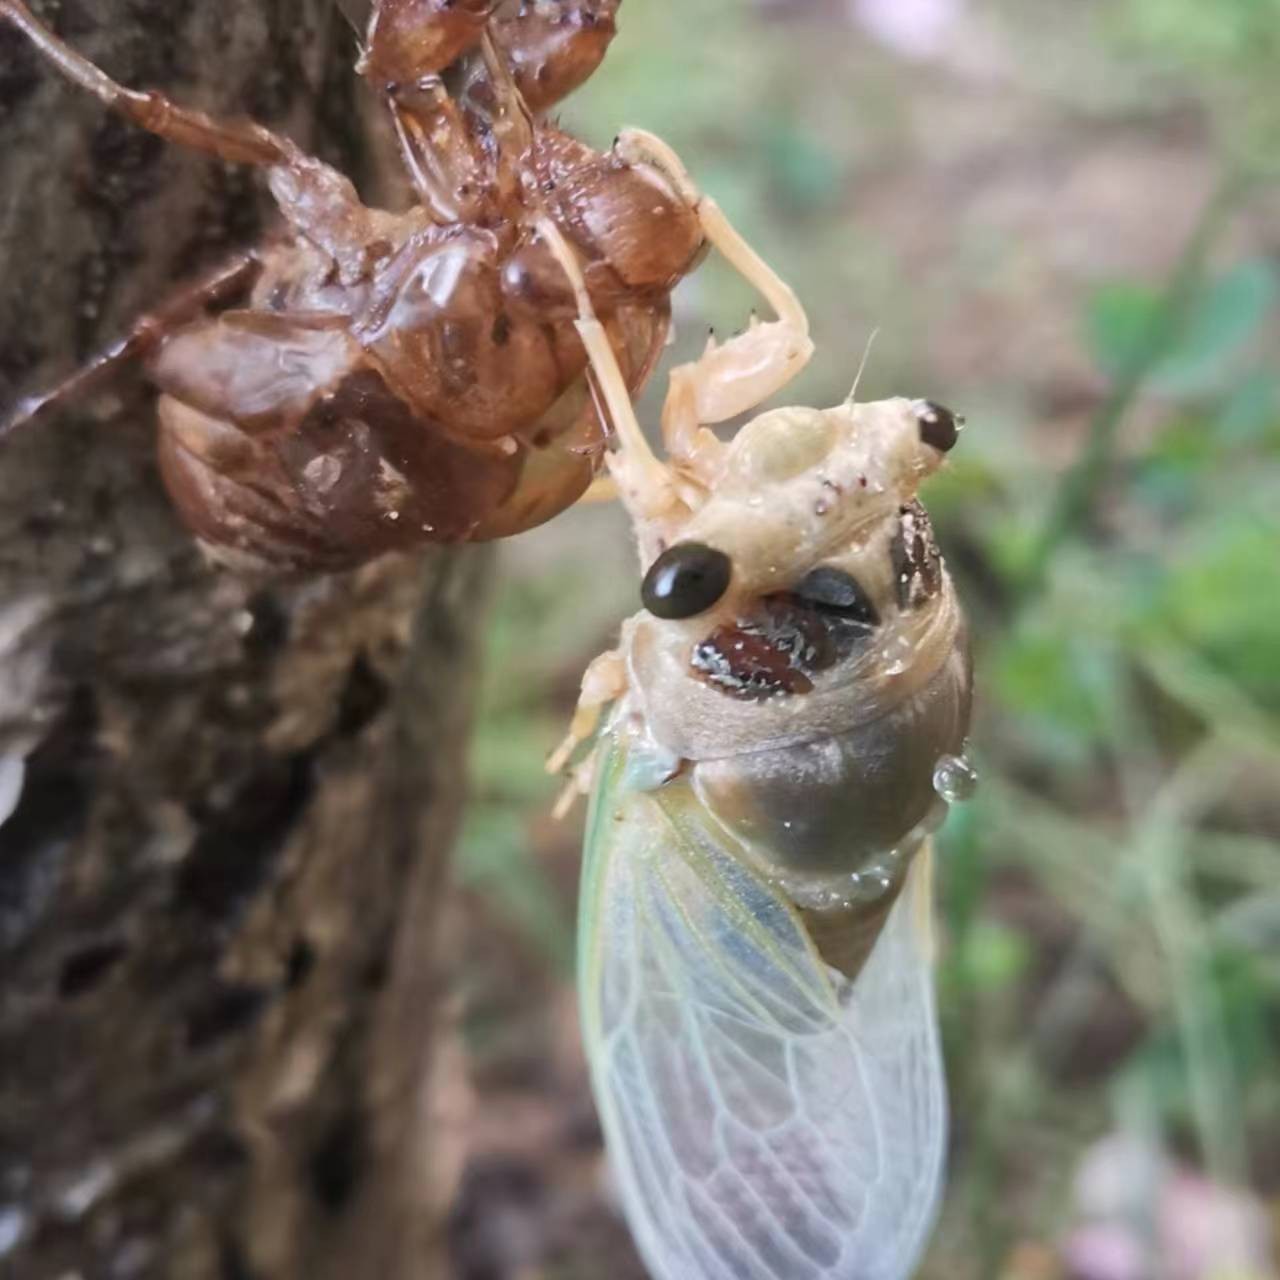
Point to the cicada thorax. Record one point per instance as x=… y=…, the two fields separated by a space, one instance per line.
x=811 y=700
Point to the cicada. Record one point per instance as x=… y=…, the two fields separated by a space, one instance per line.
x=787 y=720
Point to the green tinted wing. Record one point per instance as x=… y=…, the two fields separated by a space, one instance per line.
x=767 y=1118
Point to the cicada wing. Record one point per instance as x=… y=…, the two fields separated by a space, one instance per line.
x=767 y=1118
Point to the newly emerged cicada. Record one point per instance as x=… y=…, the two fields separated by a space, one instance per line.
x=788 y=720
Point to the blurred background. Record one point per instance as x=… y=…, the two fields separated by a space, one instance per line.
x=1061 y=220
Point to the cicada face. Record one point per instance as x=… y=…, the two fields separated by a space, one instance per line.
x=756 y=953
x=814 y=695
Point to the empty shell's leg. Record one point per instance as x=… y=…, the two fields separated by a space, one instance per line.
x=497 y=104
x=223 y=284
x=736 y=376
x=240 y=142
x=459 y=167
x=436 y=149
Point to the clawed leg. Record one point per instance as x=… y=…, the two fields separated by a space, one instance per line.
x=239 y=142
x=733 y=377
x=223 y=284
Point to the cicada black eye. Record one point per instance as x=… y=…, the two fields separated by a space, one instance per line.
x=939 y=427
x=837 y=594
x=685 y=580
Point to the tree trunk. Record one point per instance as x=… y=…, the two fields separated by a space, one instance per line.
x=218 y=889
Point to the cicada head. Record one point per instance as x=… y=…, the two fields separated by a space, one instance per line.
x=801 y=644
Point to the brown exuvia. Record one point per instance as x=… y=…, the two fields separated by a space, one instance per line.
x=365 y=381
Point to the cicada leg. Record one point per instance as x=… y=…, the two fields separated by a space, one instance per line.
x=604 y=681
x=645 y=485
x=236 y=141
x=434 y=146
x=222 y=284
x=456 y=174
x=735 y=376
x=316 y=199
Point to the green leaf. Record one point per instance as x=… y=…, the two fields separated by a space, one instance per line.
x=1220 y=597
x=1224 y=318
x=996 y=956
x=1120 y=320
x=806 y=171
x=1252 y=406
x=1159 y=1070
x=1123 y=319
x=1044 y=677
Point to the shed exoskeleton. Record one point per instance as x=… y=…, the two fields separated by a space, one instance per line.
x=369 y=381
x=787 y=720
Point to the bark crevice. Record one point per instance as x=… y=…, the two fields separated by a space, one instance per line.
x=219 y=886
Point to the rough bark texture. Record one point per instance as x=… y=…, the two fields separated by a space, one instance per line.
x=218 y=890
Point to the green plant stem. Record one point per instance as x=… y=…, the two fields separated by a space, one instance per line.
x=1077 y=492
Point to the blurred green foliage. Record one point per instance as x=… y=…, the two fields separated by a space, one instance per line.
x=1229 y=51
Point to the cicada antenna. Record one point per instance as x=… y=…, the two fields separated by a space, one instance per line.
x=862 y=367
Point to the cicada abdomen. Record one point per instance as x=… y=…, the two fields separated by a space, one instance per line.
x=755 y=939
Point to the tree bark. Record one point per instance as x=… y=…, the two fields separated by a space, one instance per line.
x=218 y=889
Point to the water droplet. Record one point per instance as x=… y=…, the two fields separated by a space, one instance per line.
x=954 y=778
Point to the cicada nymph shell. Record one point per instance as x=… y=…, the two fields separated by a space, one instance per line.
x=756 y=953
x=363 y=380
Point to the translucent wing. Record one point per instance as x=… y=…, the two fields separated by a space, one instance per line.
x=767 y=1118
